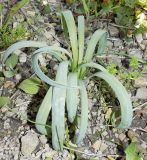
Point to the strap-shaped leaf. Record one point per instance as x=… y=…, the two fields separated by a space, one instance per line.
x=92 y=44
x=81 y=30
x=43 y=112
x=69 y=24
x=72 y=96
x=84 y=112
x=20 y=45
x=123 y=97
x=94 y=65
x=58 y=107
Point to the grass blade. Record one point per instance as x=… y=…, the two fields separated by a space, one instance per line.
x=72 y=96
x=43 y=112
x=69 y=24
x=58 y=107
x=84 y=112
x=20 y=45
x=81 y=30
x=92 y=44
x=123 y=97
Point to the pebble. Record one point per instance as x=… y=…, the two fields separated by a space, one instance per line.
x=145 y=36
x=114 y=32
x=135 y=53
x=140 y=82
x=139 y=38
x=23 y=58
x=109 y=45
x=142 y=93
x=122 y=136
x=43 y=139
x=99 y=146
x=29 y=143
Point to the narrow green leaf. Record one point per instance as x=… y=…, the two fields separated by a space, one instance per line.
x=102 y=44
x=72 y=96
x=123 y=97
x=43 y=112
x=30 y=86
x=20 y=45
x=84 y=112
x=81 y=30
x=12 y=61
x=4 y=101
x=68 y=19
x=131 y=152
x=92 y=44
x=58 y=107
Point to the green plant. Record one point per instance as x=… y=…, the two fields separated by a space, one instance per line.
x=69 y=85
x=9 y=35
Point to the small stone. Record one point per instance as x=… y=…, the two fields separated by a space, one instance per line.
x=140 y=82
x=31 y=13
x=144 y=42
x=23 y=58
x=18 y=77
x=114 y=32
x=122 y=136
x=109 y=45
x=145 y=36
x=139 y=37
x=136 y=53
x=99 y=146
x=142 y=93
x=43 y=139
x=132 y=135
x=29 y=143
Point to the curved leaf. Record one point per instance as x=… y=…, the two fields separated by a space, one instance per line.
x=123 y=97
x=92 y=44
x=20 y=45
x=39 y=72
x=43 y=112
x=81 y=29
x=58 y=107
x=69 y=24
x=72 y=96
x=84 y=112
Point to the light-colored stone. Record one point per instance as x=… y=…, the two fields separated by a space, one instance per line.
x=23 y=58
x=139 y=38
x=29 y=143
x=144 y=42
x=142 y=93
x=122 y=136
x=145 y=36
x=99 y=146
x=135 y=53
x=43 y=139
x=113 y=31
x=109 y=44
x=140 y=82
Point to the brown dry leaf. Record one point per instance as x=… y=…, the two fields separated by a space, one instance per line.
x=9 y=84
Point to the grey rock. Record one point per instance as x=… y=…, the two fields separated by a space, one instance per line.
x=142 y=93
x=113 y=31
x=135 y=53
x=43 y=139
x=23 y=58
x=109 y=44
x=139 y=38
x=122 y=136
x=145 y=36
x=29 y=143
x=140 y=82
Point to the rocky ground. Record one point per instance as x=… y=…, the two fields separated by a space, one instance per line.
x=19 y=140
